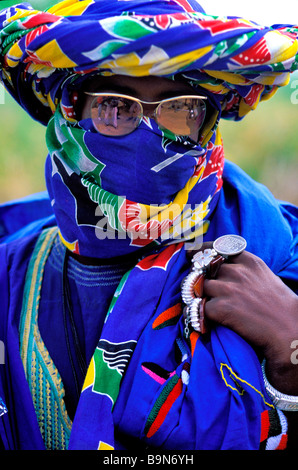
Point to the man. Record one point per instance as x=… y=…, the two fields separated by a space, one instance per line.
x=112 y=335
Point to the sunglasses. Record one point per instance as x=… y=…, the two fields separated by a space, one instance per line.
x=115 y=114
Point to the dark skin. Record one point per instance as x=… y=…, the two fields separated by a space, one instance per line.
x=251 y=300
x=246 y=295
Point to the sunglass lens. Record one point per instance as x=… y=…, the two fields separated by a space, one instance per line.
x=115 y=116
x=182 y=116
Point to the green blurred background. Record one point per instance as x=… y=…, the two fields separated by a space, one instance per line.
x=40 y=4
x=264 y=144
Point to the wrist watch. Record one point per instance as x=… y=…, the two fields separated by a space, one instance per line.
x=280 y=400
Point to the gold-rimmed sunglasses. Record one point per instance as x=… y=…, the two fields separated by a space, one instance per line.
x=115 y=114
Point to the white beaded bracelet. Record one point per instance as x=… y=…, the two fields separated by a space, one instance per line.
x=280 y=400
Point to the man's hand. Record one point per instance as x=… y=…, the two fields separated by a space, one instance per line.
x=250 y=299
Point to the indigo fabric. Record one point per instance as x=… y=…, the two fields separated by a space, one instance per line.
x=166 y=376
x=107 y=198
x=145 y=380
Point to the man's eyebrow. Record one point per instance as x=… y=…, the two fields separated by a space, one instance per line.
x=127 y=90
x=124 y=89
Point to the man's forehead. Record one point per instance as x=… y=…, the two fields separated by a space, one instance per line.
x=136 y=85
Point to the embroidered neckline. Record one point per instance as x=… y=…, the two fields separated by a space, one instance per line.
x=87 y=275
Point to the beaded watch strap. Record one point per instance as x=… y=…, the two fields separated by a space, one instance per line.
x=280 y=400
x=205 y=265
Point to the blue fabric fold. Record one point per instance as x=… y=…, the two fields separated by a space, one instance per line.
x=145 y=383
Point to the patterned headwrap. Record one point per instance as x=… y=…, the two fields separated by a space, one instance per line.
x=45 y=55
x=44 y=59
x=233 y=57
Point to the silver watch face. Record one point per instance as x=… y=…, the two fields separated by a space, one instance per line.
x=229 y=245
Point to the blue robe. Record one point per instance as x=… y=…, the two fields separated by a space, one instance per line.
x=246 y=208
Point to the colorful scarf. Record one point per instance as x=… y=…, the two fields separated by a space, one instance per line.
x=240 y=64
x=146 y=381
x=44 y=54
x=100 y=215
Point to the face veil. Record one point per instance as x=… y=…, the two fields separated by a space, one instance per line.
x=145 y=379
x=106 y=190
x=236 y=61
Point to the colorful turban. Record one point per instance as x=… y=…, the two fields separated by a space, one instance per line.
x=235 y=58
x=169 y=391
